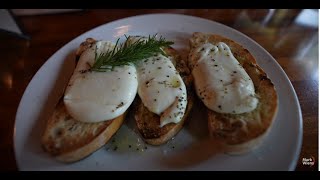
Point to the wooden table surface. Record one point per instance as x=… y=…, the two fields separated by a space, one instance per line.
x=288 y=35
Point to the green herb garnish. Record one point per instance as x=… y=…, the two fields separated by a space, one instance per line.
x=129 y=53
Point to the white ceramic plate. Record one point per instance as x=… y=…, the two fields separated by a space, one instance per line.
x=189 y=150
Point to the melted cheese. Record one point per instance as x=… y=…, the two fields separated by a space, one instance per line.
x=162 y=89
x=220 y=81
x=99 y=96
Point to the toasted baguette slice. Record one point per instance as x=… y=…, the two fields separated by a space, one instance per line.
x=69 y=140
x=148 y=122
x=242 y=132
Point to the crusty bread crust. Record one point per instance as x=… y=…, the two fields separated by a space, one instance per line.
x=84 y=46
x=148 y=122
x=242 y=132
x=69 y=140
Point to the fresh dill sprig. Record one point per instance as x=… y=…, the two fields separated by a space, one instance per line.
x=129 y=53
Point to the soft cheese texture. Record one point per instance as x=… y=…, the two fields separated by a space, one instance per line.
x=99 y=96
x=220 y=81
x=161 y=88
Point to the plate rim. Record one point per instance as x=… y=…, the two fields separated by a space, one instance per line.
x=298 y=148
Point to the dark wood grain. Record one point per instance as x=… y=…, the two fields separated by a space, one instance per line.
x=293 y=45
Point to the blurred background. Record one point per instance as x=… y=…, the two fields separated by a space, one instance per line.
x=30 y=36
